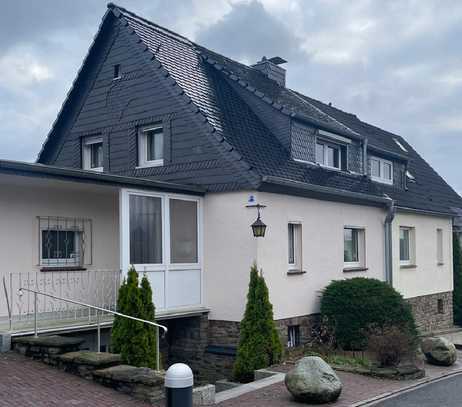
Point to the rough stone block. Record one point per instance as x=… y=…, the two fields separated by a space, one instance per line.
x=204 y=395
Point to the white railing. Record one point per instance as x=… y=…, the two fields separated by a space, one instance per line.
x=97 y=288
x=98 y=311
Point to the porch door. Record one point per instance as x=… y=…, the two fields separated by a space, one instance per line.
x=164 y=243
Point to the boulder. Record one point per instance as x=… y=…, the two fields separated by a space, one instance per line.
x=439 y=351
x=313 y=381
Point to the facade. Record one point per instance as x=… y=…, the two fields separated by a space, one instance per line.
x=160 y=147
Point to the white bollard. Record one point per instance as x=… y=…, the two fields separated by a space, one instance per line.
x=179 y=381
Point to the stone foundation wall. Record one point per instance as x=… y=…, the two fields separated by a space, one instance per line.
x=427 y=316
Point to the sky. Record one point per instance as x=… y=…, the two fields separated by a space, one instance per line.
x=395 y=64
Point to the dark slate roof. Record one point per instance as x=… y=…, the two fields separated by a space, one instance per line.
x=204 y=76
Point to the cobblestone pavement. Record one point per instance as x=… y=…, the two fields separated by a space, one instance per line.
x=29 y=383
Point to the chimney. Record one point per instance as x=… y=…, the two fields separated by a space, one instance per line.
x=270 y=68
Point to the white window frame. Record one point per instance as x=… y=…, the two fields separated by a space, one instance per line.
x=166 y=266
x=297 y=264
x=60 y=262
x=411 y=249
x=326 y=145
x=293 y=336
x=361 y=246
x=143 y=161
x=382 y=163
x=87 y=142
x=440 y=247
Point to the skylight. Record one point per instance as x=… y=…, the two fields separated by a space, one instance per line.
x=400 y=145
x=410 y=176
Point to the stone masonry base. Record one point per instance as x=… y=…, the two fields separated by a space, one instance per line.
x=432 y=312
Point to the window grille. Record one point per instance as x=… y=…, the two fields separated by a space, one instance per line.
x=65 y=242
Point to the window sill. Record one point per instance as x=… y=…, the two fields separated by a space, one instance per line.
x=98 y=169
x=62 y=268
x=158 y=163
x=382 y=181
x=408 y=266
x=295 y=272
x=353 y=269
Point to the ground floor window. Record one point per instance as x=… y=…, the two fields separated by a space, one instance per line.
x=406 y=245
x=353 y=247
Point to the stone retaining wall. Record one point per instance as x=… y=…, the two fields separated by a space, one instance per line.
x=427 y=316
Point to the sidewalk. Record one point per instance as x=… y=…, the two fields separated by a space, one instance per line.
x=357 y=390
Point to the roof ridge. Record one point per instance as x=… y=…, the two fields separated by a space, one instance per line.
x=131 y=14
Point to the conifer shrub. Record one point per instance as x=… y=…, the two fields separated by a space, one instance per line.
x=259 y=343
x=457 y=293
x=135 y=341
x=351 y=307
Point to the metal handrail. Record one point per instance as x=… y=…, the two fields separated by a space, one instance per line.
x=164 y=328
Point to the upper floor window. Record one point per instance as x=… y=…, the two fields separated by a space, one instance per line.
x=328 y=155
x=151 y=146
x=381 y=170
x=92 y=153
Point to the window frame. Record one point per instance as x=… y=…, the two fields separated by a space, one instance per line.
x=326 y=145
x=62 y=261
x=143 y=161
x=293 y=336
x=295 y=233
x=382 y=162
x=411 y=261
x=360 y=233
x=87 y=144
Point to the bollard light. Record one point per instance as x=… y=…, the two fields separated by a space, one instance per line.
x=179 y=381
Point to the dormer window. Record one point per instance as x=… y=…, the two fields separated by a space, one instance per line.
x=151 y=146
x=92 y=153
x=381 y=170
x=328 y=155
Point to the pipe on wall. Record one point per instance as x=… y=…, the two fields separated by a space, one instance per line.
x=389 y=241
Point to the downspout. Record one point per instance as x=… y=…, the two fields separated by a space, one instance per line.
x=389 y=241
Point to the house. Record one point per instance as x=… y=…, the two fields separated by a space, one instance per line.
x=157 y=158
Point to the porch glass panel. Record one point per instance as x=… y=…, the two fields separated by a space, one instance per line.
x=145 y=230
x=183 y=231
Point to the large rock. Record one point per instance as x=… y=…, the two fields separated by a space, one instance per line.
x=439 y=351
x=313 y=381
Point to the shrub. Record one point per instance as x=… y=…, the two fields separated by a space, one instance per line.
x=389 y=344
x=457 y=294
x=135 y=341
x=259 y=343
x=351 y=306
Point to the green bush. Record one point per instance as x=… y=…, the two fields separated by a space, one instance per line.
x=350 y=307
x=457 y=293
x=135 y=341
x=259 y=343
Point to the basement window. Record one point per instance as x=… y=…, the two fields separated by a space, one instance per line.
x=293 y=336
x=440 y=306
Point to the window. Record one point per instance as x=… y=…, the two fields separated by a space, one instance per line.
x=92 y=153
x=295 y=246
x=145 y=229
x=440 y=306
x=117 y=71
x=381 y=170
x=64 y=241
x=439 y=247
x=183 y=231
x=328 y=155
x=410 y=176
x=151 y=146
x=406 y=246
x=293 y=336
x=354 y=242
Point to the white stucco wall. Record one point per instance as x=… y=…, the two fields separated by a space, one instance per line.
x=427 y=277
x=23 y=199
x=230 y=250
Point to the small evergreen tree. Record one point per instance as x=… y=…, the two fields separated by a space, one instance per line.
x=132 y=339
x=259 y=343
x=457 y=293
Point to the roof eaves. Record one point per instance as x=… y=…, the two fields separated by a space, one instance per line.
x=77 y=175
